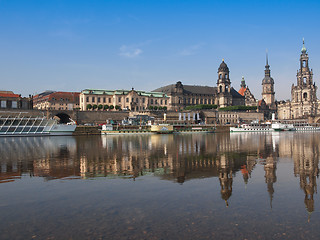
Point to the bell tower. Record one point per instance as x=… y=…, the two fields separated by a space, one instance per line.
x=223 y=84
x=304 y=95
x=268 y=86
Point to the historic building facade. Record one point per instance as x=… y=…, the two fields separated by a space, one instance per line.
x=304 y=100
x=122 y=99
x=245 y=91
x=181 y=96
x=51 y=100
x=10 y=100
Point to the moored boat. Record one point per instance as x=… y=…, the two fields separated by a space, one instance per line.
x=22 y=125
x=253 y=127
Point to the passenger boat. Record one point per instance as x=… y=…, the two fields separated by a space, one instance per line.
x=253 y=127
x=305 y=127
x=107 y=129
x=22 y=125
x=282 y=127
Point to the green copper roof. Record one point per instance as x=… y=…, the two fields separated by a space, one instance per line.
x=123 y=92
x=303 y=50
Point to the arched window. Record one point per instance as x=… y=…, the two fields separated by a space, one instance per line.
x=304 y=63
x=220 y=88
x=220 y=76
x=305 y=96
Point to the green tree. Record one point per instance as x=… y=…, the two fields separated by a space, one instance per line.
x=165 y=108
x=160 y=108
x=117 y=107
x=89 y=106
x=106 y=107
x=95 y=106
x=100 y=106
x=111 y=107
x=150 y=107
x=155 y=108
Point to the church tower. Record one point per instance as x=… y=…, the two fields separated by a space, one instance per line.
x=224 y=86
x=268 y=87
x=304 y=97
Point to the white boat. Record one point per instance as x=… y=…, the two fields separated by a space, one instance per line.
x=282 y=126
x=22 y=125
x=253 y=127
x=305 y=127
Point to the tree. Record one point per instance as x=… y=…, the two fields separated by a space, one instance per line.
x=160 y=108
x=150 y=107
x=155 y=108
x=89 y=106
x=165 y=108
x=106 y=107
x=100 y=106
x=95 y=106
x=111 y=107
x=117 y=107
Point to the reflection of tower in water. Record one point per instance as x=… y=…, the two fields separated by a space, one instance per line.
x=306 y=165
x=270 y=175
x=225 y=178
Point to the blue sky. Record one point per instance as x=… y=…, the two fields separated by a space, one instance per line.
x=72 y=45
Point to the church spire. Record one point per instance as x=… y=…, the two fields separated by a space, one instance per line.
x=303 y=50
x=267 y=62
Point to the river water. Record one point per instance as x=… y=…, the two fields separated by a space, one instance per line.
x=178 y=186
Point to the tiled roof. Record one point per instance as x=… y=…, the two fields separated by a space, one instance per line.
x=242 y=90
x=11 y=95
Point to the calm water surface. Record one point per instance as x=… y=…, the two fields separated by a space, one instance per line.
x=187 y=186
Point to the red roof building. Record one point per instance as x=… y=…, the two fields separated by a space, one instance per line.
x=50 y=100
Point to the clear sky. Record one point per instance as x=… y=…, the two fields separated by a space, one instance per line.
x=75 y=44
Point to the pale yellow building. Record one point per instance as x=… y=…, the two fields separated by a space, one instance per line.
x=96 y=99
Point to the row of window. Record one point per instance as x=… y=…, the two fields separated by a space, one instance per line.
x=198 y=101
x=104 y=100
x=10 y=104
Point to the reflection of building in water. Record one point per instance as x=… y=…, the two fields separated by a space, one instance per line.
x=306 y=165
x=270 y=175
x=41 y=156
x=225 y=177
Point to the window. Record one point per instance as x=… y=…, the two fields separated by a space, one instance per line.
x=137 y=100
x=143 y=100
x=93 y=99
x=305 y=96
x=109 y=100
x=165 y=102
x=151 y=101
x=104 y=99
x=304 y=63
x=14 y=104
x=119 y=100
x=156 y=101
x=127 y=99
x=161 y=101
x=87 y=99
x=98 y=99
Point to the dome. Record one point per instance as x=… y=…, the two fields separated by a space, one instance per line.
x=267 y=80
x=223 y=67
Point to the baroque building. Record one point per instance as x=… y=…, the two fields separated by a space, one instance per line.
x=245 y=91
x=223 y=95
x=133 y=100
x=304 y=100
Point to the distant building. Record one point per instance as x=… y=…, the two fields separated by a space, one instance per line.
x=304 y=102
x=245 y=91
x=10 y=100
x=133 y=100
x=51 y=100
x=181 y=96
